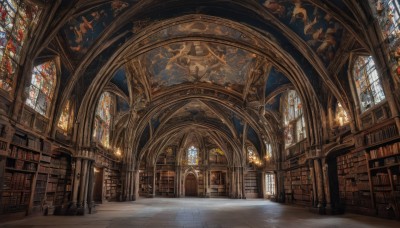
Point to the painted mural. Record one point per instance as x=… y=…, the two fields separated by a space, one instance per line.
x=198 y=61
x=103 y=118
x=321 y=32
x=66 y=118
x=199 y=28
x=275 y=80
x=16 y=21
x=83 y=30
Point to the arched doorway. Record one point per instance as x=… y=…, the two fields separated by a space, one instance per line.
x=190 y=185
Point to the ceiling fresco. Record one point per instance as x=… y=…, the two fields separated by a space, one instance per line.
x=195 y=109
x=119 y=80
x=317 y=28
x=83 y=30
x=198 y=28
x=199 y=61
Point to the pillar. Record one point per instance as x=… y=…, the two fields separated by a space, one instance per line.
x=77 y=177
x=136 y=185
x=320 y=185
x=82 y=185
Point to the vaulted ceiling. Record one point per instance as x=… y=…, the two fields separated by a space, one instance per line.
x=219 y=65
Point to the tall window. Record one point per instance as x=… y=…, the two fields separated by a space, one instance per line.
x=270 y=184
x=387 y=13
x=268 y=151
x=66 y=118
x=293 y=119
x=192 y=156
x=41 y=89
x=16 y=19
x=341 y=115
x=368 y=84
x=102 y=123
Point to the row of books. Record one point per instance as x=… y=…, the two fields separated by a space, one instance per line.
x=20 y=153
x=17 y=181
x=380 y=179
x=21 y=165
x=382 y=134
x=384 y=151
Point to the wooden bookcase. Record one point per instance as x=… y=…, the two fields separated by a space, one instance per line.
x=218 y=184
x=251 y=184
x=165 y=183
x=353 y=179
x=384 y=170
x=301 y=185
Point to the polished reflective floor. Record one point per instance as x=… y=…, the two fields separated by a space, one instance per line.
x=196 y=212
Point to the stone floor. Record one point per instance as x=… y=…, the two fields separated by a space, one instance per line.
x=195 y=212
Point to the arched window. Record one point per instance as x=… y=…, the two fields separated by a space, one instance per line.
x=341 y=115
x=66 y=118
x=41 y=89
x=17 y=18
x=368 y=84
x=268 y=151
x=102 y=123
x=293 y=119
x=192 y=156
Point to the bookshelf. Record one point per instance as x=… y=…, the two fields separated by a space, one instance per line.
x=217 y=184
x=384 y=170
x=251 y=184
x=165 y=183
x=353 y=179
x=301 y=186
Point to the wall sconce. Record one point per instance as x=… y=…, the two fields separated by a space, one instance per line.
x=96 y=170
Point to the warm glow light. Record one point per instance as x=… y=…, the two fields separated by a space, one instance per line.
x=96 y=170
x=118 y=152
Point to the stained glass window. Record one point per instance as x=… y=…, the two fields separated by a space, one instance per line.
x=102 y=121
x=17 y=18
x=41 y=89
x=387 y=12
x=268 y=151
x=293 y=119
x=270 y=184
x=368 y=84
x=341 y=115
x=192 y=156
x=66 y=118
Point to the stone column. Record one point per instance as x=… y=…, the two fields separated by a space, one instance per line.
x=328 y=207
x=263 y=192
x=320 y=185
x=312 y=175
x=91 y=188
x=136 y=185
x=82 y=185
x=77 y=178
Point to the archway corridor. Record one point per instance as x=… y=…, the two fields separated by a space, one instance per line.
x=202 y=213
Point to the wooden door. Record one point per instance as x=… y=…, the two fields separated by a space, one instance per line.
x=98 y=186
x=190 y=185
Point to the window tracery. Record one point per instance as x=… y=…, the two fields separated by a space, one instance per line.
x=387 y=12
x=17 y=18
x=41 y=89
x=293 y=119
x=368 y=84
x=192 y=156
